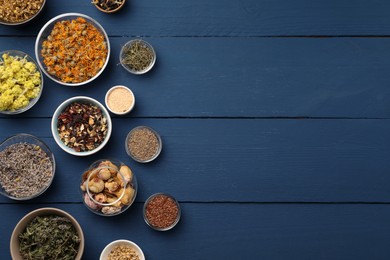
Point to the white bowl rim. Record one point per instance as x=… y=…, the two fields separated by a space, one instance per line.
x=55 y=132
x=37 y=55
x=116 y=87
x=119 y=242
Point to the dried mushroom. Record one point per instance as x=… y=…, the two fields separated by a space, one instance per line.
x=110 y=188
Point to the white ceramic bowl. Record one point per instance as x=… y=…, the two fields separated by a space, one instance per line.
x=106 y=99
x=106 y=251
x=45 y=32
x=14 y=241
x=85 y=100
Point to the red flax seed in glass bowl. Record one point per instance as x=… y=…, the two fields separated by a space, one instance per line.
x=161 y=211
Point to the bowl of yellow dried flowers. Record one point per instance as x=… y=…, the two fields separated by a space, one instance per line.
x=21 y=82
x=72 y=49
x=18 y=12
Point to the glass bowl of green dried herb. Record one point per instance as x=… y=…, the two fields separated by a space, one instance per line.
x=47 y=233
x=137 y=56
x=17 y=12
x=72 y=49
x=27 y=167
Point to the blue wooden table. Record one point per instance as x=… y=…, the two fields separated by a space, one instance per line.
x=275 y=119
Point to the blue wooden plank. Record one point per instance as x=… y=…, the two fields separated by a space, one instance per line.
x=240 y=160
x=244 y=77
x=229 y=18
x=235 y=231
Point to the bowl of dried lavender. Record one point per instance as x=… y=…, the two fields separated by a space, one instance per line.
x=72 y=49
x=27 y=167
x=18 y=12
x=47 y=233
x=81 y=126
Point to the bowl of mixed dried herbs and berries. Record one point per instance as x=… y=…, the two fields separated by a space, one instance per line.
x=18 y=12
x=108 y=6
x=47 y=233
x=72 y=49
x=81 y=126
x=27 y=167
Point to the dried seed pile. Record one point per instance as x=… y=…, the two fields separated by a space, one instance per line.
x=143 y=144
x=15 y=11
x=82 y=127
x=25 y=170
x=161 y=211
x=123 y=253
x=75 y=51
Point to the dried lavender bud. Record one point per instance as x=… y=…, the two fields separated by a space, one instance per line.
x=25 y=170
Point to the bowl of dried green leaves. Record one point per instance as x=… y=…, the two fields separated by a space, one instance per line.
x=137 y=56
x=47 y=233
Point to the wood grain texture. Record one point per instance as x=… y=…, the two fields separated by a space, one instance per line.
x=240 y=160
x=228 y=18
x=236 y=231
x=243 y=77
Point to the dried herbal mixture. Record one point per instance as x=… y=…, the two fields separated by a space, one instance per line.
x=108 y=5
x=75 y=51
x=143 y=144
x=123 y=253
x=82 y=127
x=49 y=237
x=15 y=11
x=25 y=170
x=161 y=211
x=137 y=56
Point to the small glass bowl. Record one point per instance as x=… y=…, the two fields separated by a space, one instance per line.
x=15 y=53
x=146 y=45
x=24 y=21
x=29 y=139
x=148 y=159
x=167 y=196
x=46 y=31
x=108 y=11
x=108 y=187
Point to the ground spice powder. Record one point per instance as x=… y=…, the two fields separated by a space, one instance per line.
x=120 y=100
x=161 y=211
